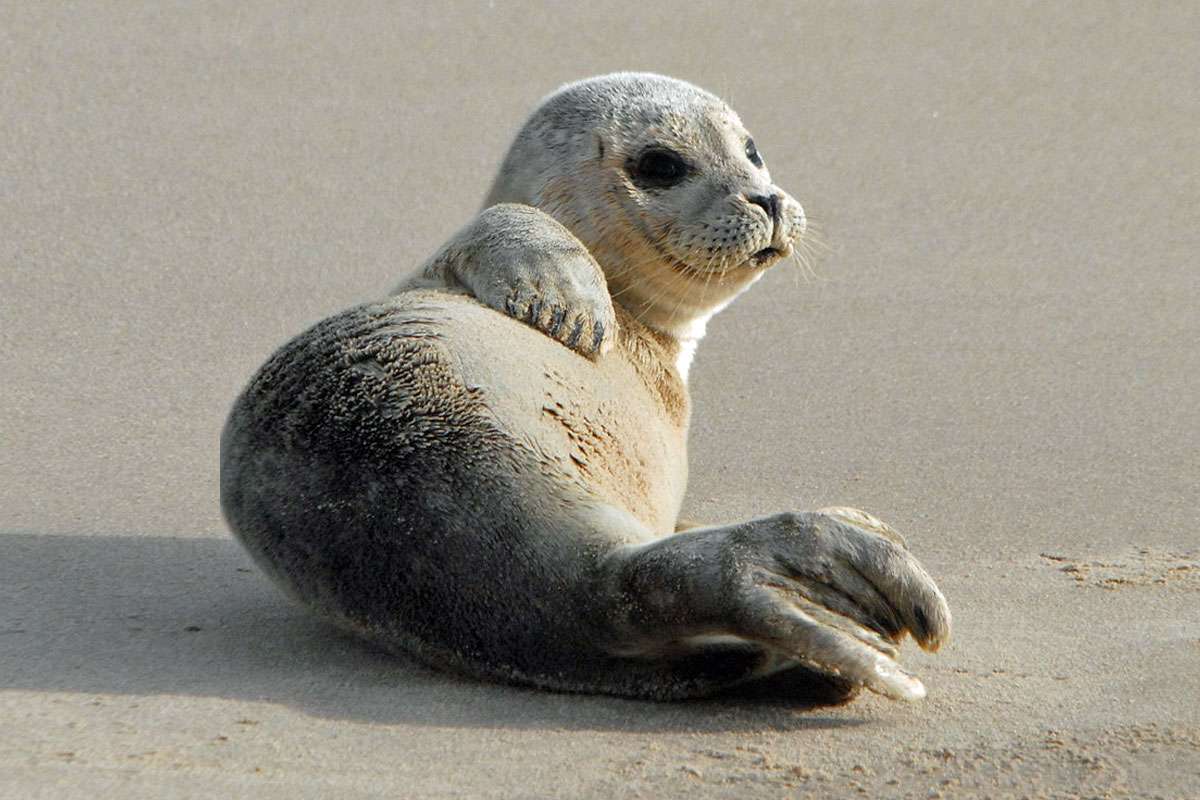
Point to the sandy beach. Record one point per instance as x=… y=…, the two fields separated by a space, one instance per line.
x=997 y=351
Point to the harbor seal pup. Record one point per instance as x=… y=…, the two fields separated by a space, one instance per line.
x=485 y=470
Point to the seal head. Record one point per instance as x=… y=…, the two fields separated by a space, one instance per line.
x=662 y=183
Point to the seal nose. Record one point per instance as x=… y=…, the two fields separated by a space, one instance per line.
x=768 y=203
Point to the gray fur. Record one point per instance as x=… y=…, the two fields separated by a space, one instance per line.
x=497 y=493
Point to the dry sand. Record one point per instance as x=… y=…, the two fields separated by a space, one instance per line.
x=1000 y=354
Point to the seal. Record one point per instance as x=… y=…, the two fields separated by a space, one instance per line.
x=485 y=469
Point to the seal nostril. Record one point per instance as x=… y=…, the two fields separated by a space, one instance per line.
x=768 y=203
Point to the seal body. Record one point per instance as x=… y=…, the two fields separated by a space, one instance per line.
x=485 y=470
x=408 y=483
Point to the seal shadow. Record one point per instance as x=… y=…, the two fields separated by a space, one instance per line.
x=147 y=615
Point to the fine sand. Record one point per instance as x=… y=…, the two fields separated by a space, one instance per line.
x=998 y=352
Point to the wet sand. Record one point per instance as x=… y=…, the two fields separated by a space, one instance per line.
x=998 y=352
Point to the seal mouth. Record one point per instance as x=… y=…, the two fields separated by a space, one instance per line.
x=767 y=256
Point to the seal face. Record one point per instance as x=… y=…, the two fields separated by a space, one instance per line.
x=663 y=185
x=485 y=469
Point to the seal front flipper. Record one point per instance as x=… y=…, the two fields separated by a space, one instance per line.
x=523 y=263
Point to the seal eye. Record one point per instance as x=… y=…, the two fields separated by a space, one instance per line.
x=659 y=168
x=752 y=153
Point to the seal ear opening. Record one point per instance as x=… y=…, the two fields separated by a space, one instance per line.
x=599 y=148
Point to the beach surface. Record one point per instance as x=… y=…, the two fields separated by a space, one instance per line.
x=997 y=350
